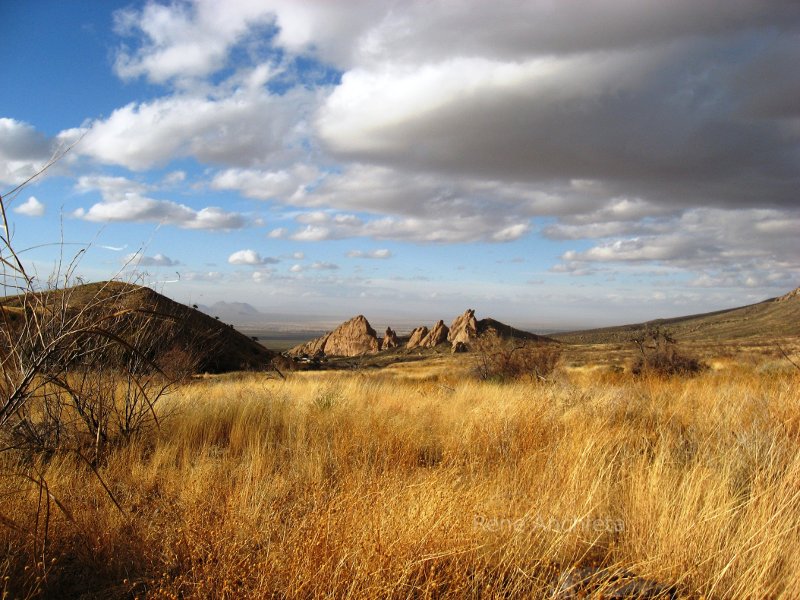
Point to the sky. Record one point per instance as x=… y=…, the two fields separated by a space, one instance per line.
x=550 y=164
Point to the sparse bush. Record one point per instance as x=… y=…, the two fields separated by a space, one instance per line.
x=658 y=355
x=502 y=360
x=81 y=370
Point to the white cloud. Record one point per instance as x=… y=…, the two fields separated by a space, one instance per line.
x=191 y=40
x=174 y=178
x=250 y=257
x=278 y=233
x=30 y=208
x=158 y=260
x=23 y=151
x=296 y=268
x=744 y=247
x=324 y=266
x=665 y=132
x=125 y=200
x=321 y=226
x=238 y=127
x=183 y=40
x=207 y=276
x=266 y=185
x=261 y=276
x=381 y=253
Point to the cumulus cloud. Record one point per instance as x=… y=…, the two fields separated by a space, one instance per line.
x=278 y=233
x=239 y=127
x=406 y=205
x=745 y=247
x=30 y=208
x=250 y=257
x=157 y=260
x=182 y=39
x=666 y=133
x=278 y=185
x=23 y=151
x=320 y=226
x=645 y=98
x=174 y=178
x=126 y=200
x=190 y=40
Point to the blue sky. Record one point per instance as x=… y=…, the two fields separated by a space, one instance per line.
x=548 y=164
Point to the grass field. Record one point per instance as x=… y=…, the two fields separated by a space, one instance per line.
x=416 y=482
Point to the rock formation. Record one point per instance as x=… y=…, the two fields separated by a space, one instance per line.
x=352 y=338
x=436 y=336
x=357 y=337
x=313 y=348
x=389 y=339
x=459 y=347
x=793 y=295
x=464 y=328
x=415 y=340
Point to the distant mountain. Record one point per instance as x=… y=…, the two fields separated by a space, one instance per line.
x=771 y=319
x=135 y=313
x=235 y=312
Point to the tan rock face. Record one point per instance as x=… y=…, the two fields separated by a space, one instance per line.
x=436 y=336
x=464 y=328
x=352 y=338
x=313 y=348
x=389 y=339
x=416 y=337
x=459 y=347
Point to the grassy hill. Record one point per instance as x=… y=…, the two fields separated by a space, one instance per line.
x=771 y=319
x=168 y=330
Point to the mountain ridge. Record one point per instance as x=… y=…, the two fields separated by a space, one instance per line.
x=775 y=317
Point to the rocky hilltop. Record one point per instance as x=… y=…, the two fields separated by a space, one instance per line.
x=389 y=340
x=356 y=337
x=422 y=337
x=352 y=338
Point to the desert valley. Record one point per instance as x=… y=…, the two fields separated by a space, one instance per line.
x=157 y=452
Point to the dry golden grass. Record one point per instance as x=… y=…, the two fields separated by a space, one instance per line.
x=412 y=482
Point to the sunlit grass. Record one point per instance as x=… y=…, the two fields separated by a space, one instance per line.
x=416 y=482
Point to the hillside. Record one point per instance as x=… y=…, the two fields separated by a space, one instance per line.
x=167 y=330
x=771 y=319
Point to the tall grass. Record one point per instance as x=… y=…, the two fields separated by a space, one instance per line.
x=358 y=486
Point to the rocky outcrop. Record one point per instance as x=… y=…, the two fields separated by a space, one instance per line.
x=459 y=347
x=313 y=348
x=352 y=338
x=415 y=340
x=357 y=337
x=464 y=328
x=389 y=340
x=793 y=295
x=436 y=336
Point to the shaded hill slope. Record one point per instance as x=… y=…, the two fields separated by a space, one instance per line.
x=165 y=330
x=774 y=318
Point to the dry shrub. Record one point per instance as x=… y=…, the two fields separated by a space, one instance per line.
x=498 y=359
x=658 y=355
